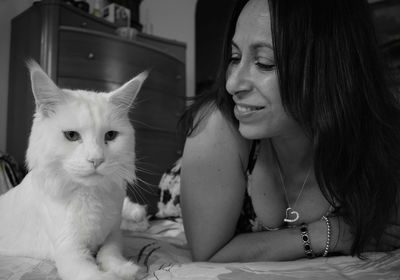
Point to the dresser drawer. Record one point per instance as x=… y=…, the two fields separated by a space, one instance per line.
x=93 y=85
x=176 y=49
x=157 y=110
x=75 y=18
x=88 y=55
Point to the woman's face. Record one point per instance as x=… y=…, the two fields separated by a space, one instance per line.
x=252 y=78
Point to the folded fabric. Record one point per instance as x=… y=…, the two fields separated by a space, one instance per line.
x=170 y=190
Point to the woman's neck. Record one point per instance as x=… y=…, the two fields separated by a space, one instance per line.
x=294 y=153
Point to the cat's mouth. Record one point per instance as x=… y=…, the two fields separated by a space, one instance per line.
x=85 y=171
x=89 y=173
x=94 y=173
x=90 y=179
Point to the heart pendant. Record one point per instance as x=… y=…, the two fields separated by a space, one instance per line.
x=291 y=215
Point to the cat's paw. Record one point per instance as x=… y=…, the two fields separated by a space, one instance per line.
x=126 y=270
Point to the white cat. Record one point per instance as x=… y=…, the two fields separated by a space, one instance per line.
x=80 y=156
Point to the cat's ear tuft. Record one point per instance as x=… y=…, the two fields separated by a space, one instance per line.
x=47 y=95
x=124 y=96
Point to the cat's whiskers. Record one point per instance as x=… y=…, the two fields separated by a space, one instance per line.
x=140 y=161
x=124 y=171
x=127 y=174
x=150 y=188
x=146 y=171
x=141 y=123
x=137 y=194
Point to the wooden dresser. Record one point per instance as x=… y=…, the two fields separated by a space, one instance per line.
x=78 y=50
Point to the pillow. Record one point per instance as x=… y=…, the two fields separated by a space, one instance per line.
x=10 y=173
x=170 y=188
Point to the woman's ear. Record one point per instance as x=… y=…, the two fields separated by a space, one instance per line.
x=47 y=95
x=124 y=96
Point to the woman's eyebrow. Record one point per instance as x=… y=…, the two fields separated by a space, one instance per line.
x=234 y=45
x=255 y=45
x=259 y=45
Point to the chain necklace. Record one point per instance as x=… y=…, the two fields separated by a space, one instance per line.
x=291 y=215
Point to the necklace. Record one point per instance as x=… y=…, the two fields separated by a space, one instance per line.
x=291 y=215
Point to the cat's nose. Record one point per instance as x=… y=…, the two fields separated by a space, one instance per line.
x=96 y=162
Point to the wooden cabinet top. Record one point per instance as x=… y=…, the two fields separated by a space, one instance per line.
x=69 y=16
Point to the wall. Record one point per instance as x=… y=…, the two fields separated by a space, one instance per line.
x=173 y=19
x=8 y=10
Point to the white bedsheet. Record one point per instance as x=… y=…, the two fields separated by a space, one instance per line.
x=161 y=251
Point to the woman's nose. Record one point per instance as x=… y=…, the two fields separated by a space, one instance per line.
x=238 y=79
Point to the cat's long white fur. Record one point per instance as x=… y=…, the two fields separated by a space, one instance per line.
x=67 y=208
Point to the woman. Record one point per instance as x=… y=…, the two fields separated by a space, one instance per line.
x=296 y=154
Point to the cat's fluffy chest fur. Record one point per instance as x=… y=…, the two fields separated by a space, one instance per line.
x=80 y=156
x=96 y=214
x=89 y=213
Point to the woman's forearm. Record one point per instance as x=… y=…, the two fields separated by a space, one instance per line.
x=281 y=245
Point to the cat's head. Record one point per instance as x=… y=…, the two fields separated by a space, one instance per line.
x=82 y=135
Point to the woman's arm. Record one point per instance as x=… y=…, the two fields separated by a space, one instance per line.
x=285 y=244
x=213 y=185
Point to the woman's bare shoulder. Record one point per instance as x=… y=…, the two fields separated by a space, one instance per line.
x=214 y=131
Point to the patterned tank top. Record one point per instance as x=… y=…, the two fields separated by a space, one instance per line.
x=248 y=220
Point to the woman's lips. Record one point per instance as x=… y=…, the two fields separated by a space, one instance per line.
x=245 y=113
x=248 y=108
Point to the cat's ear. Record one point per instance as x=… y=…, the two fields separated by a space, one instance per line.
x=47 y=94
x=124 y=96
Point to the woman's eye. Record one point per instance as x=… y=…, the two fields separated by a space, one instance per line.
x=110 y=135
x=265 y=66
x=72 y=135
x=234 y=59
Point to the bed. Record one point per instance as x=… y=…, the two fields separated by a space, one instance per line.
x=161 y=250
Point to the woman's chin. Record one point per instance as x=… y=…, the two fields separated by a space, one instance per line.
x=251 y=132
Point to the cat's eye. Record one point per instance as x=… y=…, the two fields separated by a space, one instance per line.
x=110 y=135
x=72 y=135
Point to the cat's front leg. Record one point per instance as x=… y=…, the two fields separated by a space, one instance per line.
x=110 y=257
x=75 y=262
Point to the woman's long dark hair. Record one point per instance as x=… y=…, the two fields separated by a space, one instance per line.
x=332 y=83
x=216 y=95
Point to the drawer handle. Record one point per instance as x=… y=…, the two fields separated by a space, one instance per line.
x=91 y=55
x=84 y=24
x=178 y=77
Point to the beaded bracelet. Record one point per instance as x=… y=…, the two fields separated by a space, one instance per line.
x=306 y=241
x=328 y=235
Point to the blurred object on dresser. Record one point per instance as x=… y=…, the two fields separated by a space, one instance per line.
x=127 y=32
x=117 y=14
x=134 y=8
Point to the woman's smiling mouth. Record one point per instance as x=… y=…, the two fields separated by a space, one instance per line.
x=248 y=113
x=248 y=108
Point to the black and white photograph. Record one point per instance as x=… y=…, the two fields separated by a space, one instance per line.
x=199 y=139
